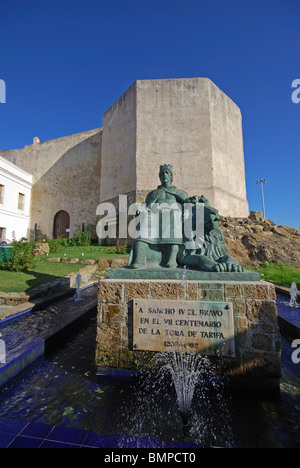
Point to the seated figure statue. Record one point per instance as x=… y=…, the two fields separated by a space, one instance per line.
x=160 y=225
x=208 y=253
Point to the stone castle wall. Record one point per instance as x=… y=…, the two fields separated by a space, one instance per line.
x=189 y=123
x=66 y=173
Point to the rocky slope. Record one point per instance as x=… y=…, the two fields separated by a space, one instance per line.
x=254 y=240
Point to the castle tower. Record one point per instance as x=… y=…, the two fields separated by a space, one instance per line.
x=189 y=123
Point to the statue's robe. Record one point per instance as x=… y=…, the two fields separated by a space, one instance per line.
x=160 y=218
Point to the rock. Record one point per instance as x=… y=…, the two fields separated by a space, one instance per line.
x=263 y=255
x=254 y=239
x=256 y=216
x=70 y=260
x=279 y=231
x=54 y=259
x=119 y=263
x=42 y=248
x=88 y=261
x=103 y=263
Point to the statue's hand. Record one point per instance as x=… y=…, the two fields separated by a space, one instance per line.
x=193 y=199
x=202 y=199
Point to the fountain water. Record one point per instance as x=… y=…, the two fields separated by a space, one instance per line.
x=293 y=294
x=77 y=296
x=196 y=383
x=185 y=370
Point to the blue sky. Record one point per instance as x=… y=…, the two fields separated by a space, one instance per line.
x=65 y=62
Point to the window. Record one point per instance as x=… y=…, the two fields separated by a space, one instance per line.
x=1 y=193
x=2 y=233
x=21 y=201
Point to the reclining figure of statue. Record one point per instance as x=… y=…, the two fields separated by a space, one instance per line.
x=208 y=253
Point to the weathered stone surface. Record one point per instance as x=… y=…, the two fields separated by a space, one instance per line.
x=88 y=261
x=210 y=294
x=70 y=260
x=254 y=239
x=261 y=311
x=167 y=290
x=110 y=292
x=66 y=174
x=41 y=248
x=262 y=341
x=54 y=259
x=233 y=290
x=119 y=263
x=103 y=263
x=136 y=290
x=13 y=298
x=113 y=313
x=258 y=290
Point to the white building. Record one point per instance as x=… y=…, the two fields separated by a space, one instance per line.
x=15 y=196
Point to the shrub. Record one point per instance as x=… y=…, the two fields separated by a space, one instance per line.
x=54 y=244
x=23 y=257
x=121 y=248
x=81 y=238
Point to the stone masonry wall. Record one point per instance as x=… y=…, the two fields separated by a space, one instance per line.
x=66 y=176
x=257 y=337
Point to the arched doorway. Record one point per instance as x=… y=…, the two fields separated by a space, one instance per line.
x=61 y=225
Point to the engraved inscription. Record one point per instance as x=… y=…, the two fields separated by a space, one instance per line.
x=202 y=327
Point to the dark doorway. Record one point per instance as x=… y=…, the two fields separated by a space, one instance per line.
x=61 y=225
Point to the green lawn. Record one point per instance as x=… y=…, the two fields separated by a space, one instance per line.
x=44 y=271
x=280 y=274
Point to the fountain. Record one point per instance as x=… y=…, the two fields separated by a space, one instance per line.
x=186 y=370
x=201 y=299
x=293 y=294
x=77 y=296
x=143 y=408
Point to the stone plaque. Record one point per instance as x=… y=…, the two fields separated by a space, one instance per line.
x=190 y=326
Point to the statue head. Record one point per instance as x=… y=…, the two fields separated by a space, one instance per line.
x=211 y=220
x=166 y=174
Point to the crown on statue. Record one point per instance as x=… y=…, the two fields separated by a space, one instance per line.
x=165 y=166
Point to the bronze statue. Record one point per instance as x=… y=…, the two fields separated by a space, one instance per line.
x=161 y=204
x=171 y=246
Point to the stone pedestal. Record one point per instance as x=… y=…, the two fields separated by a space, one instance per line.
x=256 y=333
